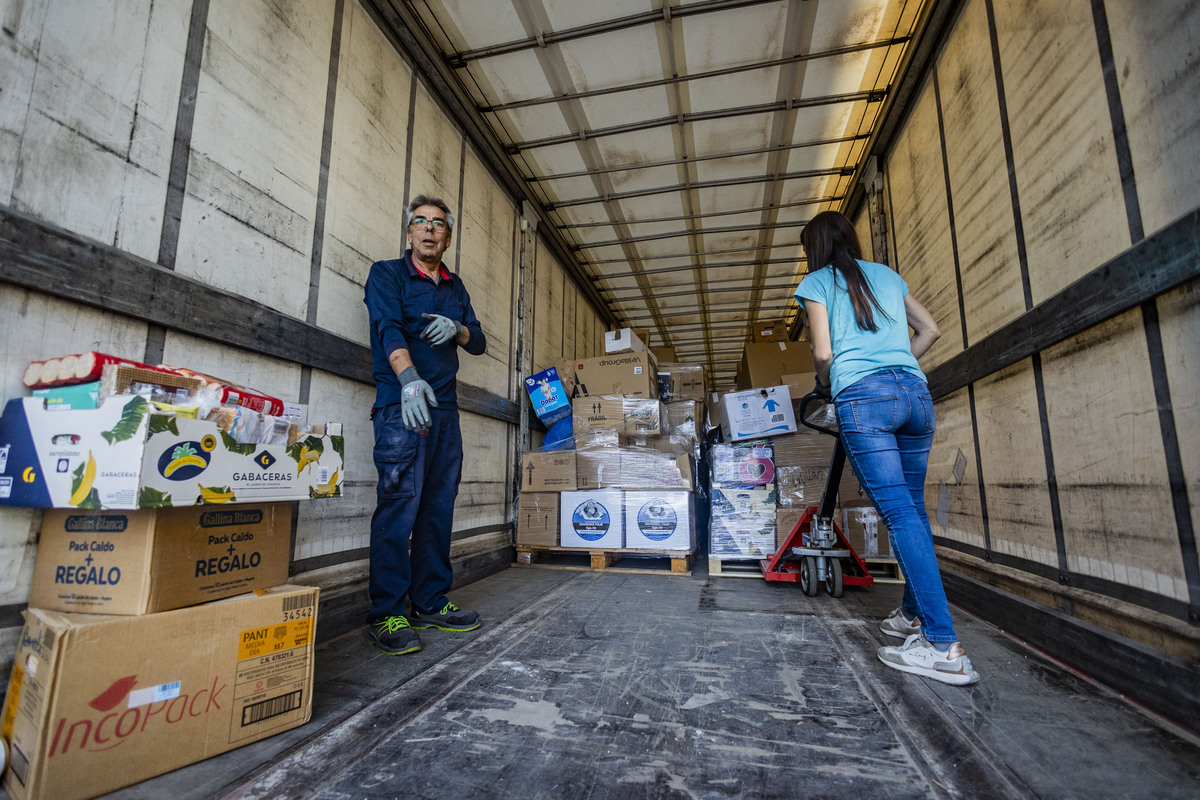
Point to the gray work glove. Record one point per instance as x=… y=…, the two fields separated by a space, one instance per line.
x=440 y=329
x=415 y=393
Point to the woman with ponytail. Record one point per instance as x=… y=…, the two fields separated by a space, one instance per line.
x=859 y=314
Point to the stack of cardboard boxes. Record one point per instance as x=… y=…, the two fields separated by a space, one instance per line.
x=155 y=637
x=625 y=480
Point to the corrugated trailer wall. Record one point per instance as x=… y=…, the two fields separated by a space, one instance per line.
x=1055 y=235
x=263 y=153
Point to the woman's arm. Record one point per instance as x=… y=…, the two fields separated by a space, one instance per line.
x=921 y=321
x=818 y=334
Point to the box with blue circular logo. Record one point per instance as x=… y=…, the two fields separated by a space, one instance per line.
x=593 y=520
x=659 y=520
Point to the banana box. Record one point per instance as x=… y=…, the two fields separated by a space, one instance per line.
x=121 y=456
x=149 y=560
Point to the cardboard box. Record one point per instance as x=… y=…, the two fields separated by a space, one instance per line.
x=746 y=464
x=623 y=340
x=625 y=374
x=785 y=520
x=630 y=416
x=803 y=448
x=742 y=524
x=801 y=487
x=866 y=531
x=765 y=363
x=548 y=471
x=685 y=420
x=799 y=383
x=650 y=469
x=566 y=375
x=537 y=518
x=65 y=398
x=551 y=400
x=97 y=702
x=662 y=354
x=592 y=520
x=770 y=331
x=757 y=413
x=119 y=456
x=661 y=520
x=148 y=560
x=598 y=468
x=680 y=382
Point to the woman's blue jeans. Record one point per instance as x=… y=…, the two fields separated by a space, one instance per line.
x=886 y=424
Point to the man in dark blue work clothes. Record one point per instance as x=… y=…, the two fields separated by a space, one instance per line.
x=420 y=315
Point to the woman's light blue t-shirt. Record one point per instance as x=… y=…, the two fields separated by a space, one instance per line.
x=857 y=352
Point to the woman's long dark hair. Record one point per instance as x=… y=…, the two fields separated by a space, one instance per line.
x=830 y=241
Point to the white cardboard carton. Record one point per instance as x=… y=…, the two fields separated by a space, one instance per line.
x=757 y=412
x=659 y=520
x=592 y=520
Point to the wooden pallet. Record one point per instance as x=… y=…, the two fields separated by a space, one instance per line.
x=734 y=568
x=661 y=562
x=882 y=568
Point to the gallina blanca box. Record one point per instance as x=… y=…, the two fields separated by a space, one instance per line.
x=97 y=702
x=147 y=560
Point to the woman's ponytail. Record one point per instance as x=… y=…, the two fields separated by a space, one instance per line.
x=830 y=241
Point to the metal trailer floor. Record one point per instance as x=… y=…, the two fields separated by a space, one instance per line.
x=588 y=684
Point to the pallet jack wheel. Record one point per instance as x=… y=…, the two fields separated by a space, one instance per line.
x=833 y=578
x=808 y=576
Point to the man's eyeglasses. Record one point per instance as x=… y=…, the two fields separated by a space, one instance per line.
x=425 y=222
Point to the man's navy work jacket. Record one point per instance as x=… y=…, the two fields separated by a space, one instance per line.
x=397 y=294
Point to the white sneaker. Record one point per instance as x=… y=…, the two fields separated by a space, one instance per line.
x=920 y=657
x=898 y=625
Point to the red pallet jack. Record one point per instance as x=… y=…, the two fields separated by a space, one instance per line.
x=816 y=552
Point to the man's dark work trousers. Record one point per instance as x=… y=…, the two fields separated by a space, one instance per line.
x=418 y=482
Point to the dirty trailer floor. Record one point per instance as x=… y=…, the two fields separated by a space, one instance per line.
x=616 y=685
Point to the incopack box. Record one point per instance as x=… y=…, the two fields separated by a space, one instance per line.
x=148 y=560
x=551 y=400
x=756 y=413
x=765 y=363
x=97 y=702
x=623 y=374
x=548 y=471
x=120 y=456
x=592 y=520
x=537 y=518
x=659 y=520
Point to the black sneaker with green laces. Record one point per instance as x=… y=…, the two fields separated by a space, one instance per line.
x=450 y=618
x=394 y=636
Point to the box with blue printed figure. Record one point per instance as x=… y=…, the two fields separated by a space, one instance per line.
x=550 y=400
x=757 y=412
